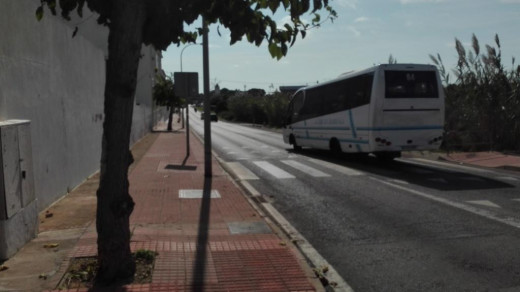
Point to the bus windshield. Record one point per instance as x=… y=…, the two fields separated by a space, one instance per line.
x=411 y=84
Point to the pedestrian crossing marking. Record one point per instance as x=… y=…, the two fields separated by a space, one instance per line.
x=339 y=168
x=241 y=172
x=304 y=168
x=273 y=170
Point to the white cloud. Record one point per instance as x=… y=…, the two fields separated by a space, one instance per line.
x=354 y=30
x=361 y=19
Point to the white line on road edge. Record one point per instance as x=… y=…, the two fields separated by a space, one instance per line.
x=443 y=165
x=484 y=213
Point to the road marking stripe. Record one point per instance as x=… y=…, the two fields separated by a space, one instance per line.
x=514 y=222
x=273 y=170
x=444 y=165
x=306 y=169
x=338 y=168
x=484 y=203
x=241 y=172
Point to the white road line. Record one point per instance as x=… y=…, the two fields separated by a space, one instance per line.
x=444 y=165
x=240 y=171
x=484 y=203
x=514 y=222
x=338 y=168
x=273 y=170
x=306 y=169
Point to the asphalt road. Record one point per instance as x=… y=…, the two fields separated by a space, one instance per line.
x=407 y=225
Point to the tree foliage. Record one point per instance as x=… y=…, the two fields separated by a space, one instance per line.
x=164 y=95
x=248 y=107
x=165 y=19
x=483 y=104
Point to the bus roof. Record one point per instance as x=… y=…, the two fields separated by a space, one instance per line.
x=373 y=69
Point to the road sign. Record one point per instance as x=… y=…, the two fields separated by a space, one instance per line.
x=186 y=84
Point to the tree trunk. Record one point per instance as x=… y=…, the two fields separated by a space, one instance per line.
x=170 y=118
x=114 y=203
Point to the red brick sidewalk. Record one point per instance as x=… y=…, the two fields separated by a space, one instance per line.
x=486 y=159
x=205 y=241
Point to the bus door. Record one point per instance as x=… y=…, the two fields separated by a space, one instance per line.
x=293 y=119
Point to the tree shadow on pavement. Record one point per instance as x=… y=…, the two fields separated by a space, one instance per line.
x=199 y=270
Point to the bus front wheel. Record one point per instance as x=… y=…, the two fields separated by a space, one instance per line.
x=296 y=147
x=335 y=147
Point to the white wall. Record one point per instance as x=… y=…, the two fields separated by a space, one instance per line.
x=57 y=82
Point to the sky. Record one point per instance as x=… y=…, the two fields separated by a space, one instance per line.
x=365 y=33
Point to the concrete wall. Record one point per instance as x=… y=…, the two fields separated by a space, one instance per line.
x=57 y=82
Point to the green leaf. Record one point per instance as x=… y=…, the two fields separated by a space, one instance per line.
x=273 y=5
x=275 y=51
x=39 y=13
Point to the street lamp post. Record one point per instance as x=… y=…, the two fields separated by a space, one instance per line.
x=182 y=51
x=207 y=106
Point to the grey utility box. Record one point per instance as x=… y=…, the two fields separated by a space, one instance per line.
x=18 y=210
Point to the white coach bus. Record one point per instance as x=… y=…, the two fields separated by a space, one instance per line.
x=382 y=110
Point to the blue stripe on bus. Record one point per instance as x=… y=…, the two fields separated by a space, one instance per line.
x=341 y=140
x=321 y=128
x=354 y=134
x=432 y=127
x=372 y=128
x=351 y=119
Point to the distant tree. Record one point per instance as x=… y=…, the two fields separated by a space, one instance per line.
x=164 y=95
x=275 y=108
x=392 y=60
x=131 y=24
x=256 y=92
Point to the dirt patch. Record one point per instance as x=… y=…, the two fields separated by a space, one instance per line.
x=81 y=272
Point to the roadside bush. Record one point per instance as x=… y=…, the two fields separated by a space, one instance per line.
x=483 y=104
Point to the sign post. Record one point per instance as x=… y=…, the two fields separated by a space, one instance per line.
x=186 y=85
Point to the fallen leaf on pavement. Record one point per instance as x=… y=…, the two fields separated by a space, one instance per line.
x=51 y=245
x=42 y=276
x=3 y=268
